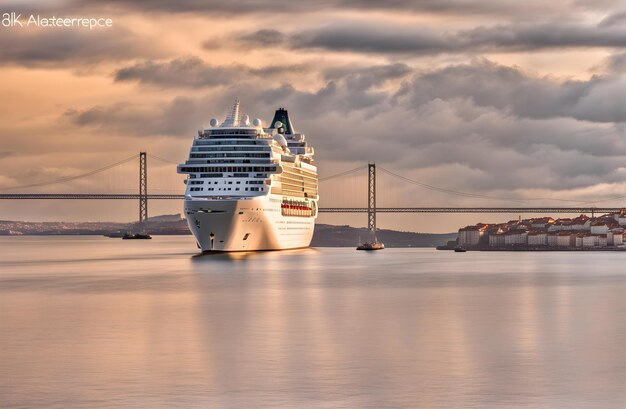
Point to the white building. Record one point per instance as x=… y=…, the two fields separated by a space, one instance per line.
x=614 y=234
x=537 y=238
x=497 y=240
x=599 y=227
x=515 y=237
x=591 y=241
x=552 y=239
x=541 y=223
x=581 y=222
x=469 y=236
x=564 y=239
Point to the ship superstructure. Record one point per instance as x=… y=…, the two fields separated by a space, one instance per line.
x=250 y=187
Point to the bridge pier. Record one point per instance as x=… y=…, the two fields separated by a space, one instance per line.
x=143 y=188
x=371 y=200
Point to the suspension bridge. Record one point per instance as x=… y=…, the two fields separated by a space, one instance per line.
x=143 y=196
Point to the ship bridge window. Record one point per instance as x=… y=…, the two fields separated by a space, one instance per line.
x=191 y=169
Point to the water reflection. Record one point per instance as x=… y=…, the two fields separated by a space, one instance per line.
x=128 y=325
x=216 y=256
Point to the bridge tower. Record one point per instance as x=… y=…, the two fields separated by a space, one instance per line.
x=371 y=200
x=143 y=188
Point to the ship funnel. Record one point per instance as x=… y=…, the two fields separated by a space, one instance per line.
x=282 y=116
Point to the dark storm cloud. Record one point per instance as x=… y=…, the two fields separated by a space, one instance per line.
x=243 y=7
x=349 y=91
x=278 y=70
x=48 y=47
x=178 y=118
x=195 y=72
x=264 y=37
x=363 y=78
x=187 y=71
x=482 y=84
x=372 y=39
x=403 y=39
x=544 y=35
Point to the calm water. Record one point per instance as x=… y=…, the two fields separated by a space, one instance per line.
x=94 y=322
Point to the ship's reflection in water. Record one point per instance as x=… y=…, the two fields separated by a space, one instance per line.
x=91 y=322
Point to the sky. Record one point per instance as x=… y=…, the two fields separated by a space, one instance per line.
x=510 y=103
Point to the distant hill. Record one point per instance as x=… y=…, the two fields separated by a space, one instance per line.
x=325 y=235
x=345 y=236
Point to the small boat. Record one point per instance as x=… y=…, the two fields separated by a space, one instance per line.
x=371 y=246
x=136 y=236
x=459 y=249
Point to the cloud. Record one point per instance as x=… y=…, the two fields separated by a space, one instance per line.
x=613 y=19
x=186 y=71
x=178 y=118
x=194 y=72
x=615 y=64
x=349 y=90
x=510 y=90
x=478 y=126
x=264 y=37
x=70 y=48
x=371 y=37
x=554 y=34
x=274 y=7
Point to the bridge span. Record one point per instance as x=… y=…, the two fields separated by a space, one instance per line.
x=516 y=210
x=143 y=196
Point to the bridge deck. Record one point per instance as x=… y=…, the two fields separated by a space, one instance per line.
x=97 y=196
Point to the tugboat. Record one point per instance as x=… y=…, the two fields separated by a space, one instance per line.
x=136 y=236
x=459 y=249
x=371 y=246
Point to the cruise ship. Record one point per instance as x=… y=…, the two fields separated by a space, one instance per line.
x=250 y=187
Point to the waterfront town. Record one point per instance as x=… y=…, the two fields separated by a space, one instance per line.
x=546 y=233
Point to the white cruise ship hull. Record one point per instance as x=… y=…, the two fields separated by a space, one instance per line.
x=253 y=224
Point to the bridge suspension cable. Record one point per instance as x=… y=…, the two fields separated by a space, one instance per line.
x=337 y=175
x=162 y=159
x=449 y=191
x=70 y=178
x=479 y=196
x=603 y=200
